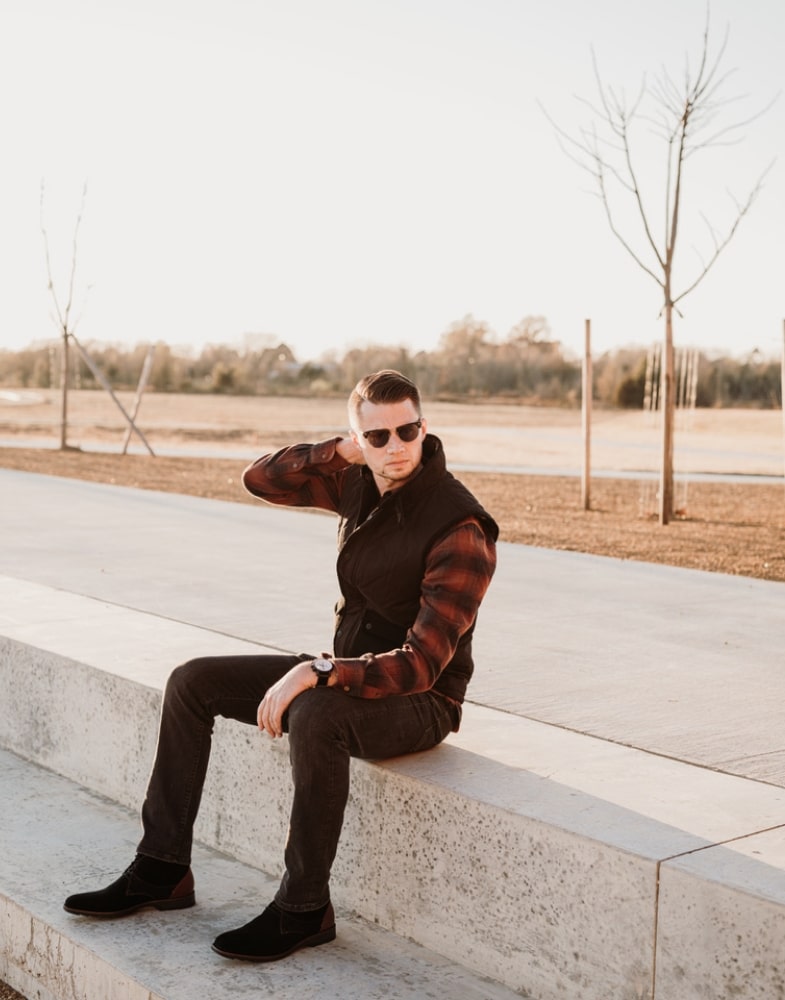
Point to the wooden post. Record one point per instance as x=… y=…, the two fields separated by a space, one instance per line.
x=782 y=376
x=586 y=401
x=146 y=367
x=97 y=373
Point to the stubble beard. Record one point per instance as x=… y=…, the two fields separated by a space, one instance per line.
x=398 y=475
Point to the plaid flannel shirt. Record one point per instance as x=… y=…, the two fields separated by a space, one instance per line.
x=458 y=571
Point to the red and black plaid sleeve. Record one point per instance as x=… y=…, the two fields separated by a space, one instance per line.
x=302 y=475
x=457 y=575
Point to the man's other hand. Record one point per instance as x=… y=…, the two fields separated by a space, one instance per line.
x=269 y=715
x=350 y=451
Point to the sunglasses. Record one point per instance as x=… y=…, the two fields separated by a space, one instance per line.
x=406 y=433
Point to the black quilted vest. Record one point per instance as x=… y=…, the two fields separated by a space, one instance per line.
x=381 y=559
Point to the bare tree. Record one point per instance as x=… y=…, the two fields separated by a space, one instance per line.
x=62 y=314
x=684 y=114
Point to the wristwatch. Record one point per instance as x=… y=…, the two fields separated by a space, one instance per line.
x=322 y=668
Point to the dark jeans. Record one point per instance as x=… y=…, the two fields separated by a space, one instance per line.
x=326 y=727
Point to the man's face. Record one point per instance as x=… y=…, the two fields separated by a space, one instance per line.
x=395 y=462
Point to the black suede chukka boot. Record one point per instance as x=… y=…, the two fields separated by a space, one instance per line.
x=276 y=933
x=133 y=891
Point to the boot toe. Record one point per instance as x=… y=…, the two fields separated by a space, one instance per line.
x=129 y=893
x=276 y=933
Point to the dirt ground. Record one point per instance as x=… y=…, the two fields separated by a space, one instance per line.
x=730 y=527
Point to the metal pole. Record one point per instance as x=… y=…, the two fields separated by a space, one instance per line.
x=586 y=419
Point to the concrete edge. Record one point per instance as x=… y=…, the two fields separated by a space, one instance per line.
x=562 y=812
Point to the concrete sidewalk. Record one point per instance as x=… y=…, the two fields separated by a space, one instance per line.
x=676 y=662
x=620 y=768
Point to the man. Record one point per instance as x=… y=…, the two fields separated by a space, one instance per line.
x=416 y=556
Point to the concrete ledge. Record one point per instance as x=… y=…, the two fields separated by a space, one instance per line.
x=58 y=834
x=722 y=921
x=555 y=863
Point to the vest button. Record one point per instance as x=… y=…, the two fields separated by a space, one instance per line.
x=367 y=626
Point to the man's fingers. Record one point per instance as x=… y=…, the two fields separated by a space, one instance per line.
x=266 y=717
x=269 y=715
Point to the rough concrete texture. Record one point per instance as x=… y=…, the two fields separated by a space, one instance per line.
x=549 y=840
x=722 y=921
x=424 y=843
x=58 y=837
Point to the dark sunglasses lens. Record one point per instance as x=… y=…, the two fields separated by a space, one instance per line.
x=378 y=439
x=408 y=432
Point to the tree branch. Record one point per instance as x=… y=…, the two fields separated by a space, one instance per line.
x=684 y=116
x=62 y=315
x=50 y=283
x=74 y=254
x=719 y=246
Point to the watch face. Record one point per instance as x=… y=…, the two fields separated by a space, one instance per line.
x=322 y=668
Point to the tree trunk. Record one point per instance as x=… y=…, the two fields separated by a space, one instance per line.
x=668 y=414
x=64 y=396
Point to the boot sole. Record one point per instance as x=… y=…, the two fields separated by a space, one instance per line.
x=323 y=937
x=181 y=903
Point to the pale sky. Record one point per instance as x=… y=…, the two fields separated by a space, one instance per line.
x=343 y=172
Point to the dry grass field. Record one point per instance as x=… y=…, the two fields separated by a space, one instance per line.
x=520 y=461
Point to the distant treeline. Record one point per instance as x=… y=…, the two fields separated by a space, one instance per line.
x=469 y=362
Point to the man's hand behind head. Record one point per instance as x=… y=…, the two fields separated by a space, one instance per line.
x=350 y=451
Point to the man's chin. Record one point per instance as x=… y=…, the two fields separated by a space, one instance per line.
x=400 y=470
x=398 y=473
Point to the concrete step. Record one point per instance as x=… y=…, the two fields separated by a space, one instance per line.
x=58 y=835
x=554 y=863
